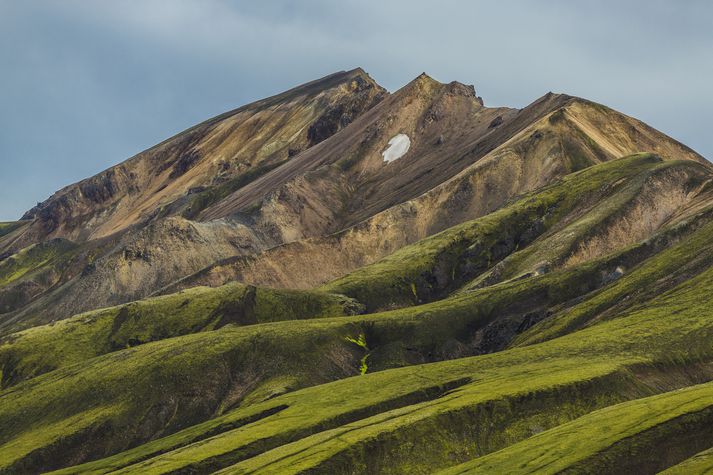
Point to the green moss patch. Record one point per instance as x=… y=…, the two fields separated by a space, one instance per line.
x=33 y=258
x=641 y=436
x=45 y=348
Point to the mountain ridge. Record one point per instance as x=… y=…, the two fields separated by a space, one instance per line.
x=323 y=198
x=510 y=281
x=183 y=142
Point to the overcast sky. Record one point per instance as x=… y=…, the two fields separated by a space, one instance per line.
x=87 y=84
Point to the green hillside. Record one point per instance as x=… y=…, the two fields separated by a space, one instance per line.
x=488 y=362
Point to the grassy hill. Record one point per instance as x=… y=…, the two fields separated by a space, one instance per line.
x=483 y=372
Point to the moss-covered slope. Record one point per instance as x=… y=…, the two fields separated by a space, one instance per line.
x=167 y=384
x=44 y=348
x=618 y=439
x=421 y=418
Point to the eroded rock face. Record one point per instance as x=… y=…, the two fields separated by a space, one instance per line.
x=100 y=190
x=495 y=122
x=343 y=181
x=184 y=163
x=363 y=96
x=262 y=134
x=293 y=191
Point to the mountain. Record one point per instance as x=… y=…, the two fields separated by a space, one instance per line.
x=222 y=153
x=339 y=279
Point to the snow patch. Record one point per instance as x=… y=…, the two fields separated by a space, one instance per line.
x=398 y=146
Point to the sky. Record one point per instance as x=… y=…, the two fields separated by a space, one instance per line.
x=86 y=84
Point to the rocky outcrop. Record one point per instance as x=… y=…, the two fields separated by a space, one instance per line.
x=364 y=94
x=265 y=133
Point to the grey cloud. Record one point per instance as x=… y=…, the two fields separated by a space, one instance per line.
x=86 y=84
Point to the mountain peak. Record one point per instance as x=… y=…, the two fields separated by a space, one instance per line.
x=189 y=162
x=424 y=77
x=336 y=252
x=358 y=71
x=421 y=83
x=425 y=83
x=467 y=90
x=362 y=78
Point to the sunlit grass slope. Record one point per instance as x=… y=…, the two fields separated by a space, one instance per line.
x=475 y=363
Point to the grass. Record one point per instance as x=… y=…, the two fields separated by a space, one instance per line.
x=306 y=351
x=699 y=464
x=614 y=200
x=360 y=341
x=10 y=226
x=433 y=267
x=690 y=256
x=32 y=258
x=180 y=367
x=168 y=384
x=379 y=402
x=44 y=348
x=615 y=439
x=650 y=335
x=675 y=329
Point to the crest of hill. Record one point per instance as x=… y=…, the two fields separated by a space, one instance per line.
x=242 y=143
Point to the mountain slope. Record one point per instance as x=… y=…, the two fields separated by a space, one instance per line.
x=260 y=358
x=575 y=387
x=544 y=151
x=465 y=160
x=502 y=291
x=237 y=145
x=135 y=208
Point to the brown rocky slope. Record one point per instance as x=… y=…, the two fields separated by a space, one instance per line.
x=293 y=191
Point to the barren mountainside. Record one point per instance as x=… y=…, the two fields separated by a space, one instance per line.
x=342 y=279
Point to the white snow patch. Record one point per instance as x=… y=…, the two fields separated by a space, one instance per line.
x=398 y=146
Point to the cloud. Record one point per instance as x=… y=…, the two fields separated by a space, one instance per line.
x=87 y=84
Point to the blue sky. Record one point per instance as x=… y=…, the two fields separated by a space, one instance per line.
x=87 y=84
